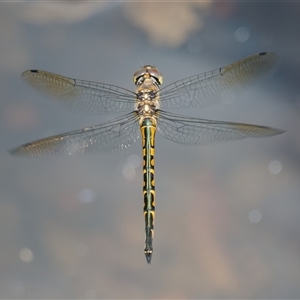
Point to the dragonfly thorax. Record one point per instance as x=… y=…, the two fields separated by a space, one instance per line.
x=146 y=108
x=147 y=97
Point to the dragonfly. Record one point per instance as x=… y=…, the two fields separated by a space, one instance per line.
x=146 y=116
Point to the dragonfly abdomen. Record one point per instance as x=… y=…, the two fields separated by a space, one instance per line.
x=148 y=130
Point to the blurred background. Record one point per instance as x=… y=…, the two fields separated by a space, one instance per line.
x=227 y=215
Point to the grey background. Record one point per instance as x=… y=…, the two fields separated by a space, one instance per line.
x=227 y=215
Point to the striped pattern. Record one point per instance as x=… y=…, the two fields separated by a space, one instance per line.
x=148 y=130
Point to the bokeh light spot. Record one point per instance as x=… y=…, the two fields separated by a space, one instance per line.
x=128 y=172
x=254 y=216
x=134 y=160
x=26 y=255
x=242 y=34
x=275 y=167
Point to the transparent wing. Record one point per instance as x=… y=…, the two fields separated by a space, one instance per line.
x=194 y=131
x=113 y=135
x=217 y=86
x=80 y=95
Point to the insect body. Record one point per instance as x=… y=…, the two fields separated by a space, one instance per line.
x=146 y=116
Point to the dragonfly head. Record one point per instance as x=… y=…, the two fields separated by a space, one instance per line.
x=147 y=72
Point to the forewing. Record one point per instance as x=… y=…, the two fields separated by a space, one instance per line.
x=79 y=95
x=194 y=131
x=113 y=135
x=217 y=86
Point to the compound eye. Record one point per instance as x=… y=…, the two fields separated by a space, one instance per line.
x=156 y=74
x=139 y=73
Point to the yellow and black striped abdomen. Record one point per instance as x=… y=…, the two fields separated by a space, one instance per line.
x=148 y=129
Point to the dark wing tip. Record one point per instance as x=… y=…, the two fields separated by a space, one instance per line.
x=270 y=54
x=280 y=131
x=267 y=53
x=28 y=72
x=270 y=131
